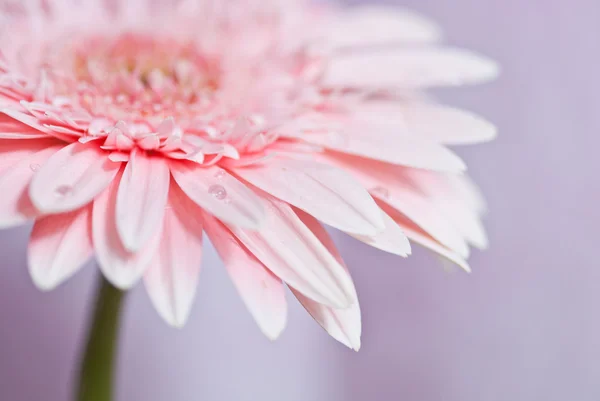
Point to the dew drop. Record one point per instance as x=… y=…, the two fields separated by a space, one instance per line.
x=63 y=190
x=218 y=192
x=34 y=167
x=381 y=191
x=220 y=174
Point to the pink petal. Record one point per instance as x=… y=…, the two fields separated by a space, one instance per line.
x=429 y=121
x=141 y=199
x=369 y=25
x=325 y=192
x=408 y=68
x=447 y=125
x=59 y=246
x=446 y=198
x=390 y=184
x=34 y=123
x=416 y=234
x=150 y=142
x=122 y=268
x=292 y=252
x=392 y=239
x=23 y=135
x=219 y=193
x=172 y=277
x=262 y=291
x=342 y=324
x=386 y=144
x=13 y=151
x=15 y=206
x=71 y=178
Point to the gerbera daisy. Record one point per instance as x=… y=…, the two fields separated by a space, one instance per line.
x=129 y=131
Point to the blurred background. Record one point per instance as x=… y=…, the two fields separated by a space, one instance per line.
x=522 y=327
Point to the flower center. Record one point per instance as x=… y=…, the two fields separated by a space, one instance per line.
x=136 y=77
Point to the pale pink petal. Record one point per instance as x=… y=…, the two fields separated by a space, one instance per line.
x=392 y=239
x=290 y=250
x=326 y=192
x=390 y=184
x=445 y=197
x=23 y=135
x=33 y=122
x=13 y=151
x=59 y=246
x=172 y=277
x=15 y=206
x=219 y=193
x=464 y=187
x=426 y=120
x=262 y=291
x=446 y=125
x=71 y=178
x=408 y=68
x=122 y=268
x=416 y=234
x=386 y=144
x=141 y=199
x=342 y=324
x=369 y=25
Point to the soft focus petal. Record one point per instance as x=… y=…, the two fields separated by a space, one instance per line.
x=392 y=239
x=141 y=199
x=446 y=198
x=386 y=144
x=370 y=25
x=59 y=246
x=327 y=193
x=15 y=206
x=409 y=68
x=342 y=324
x=71 y=178
x=13 y=151
x=172 y=277
x=416 y=234
x=389 y=184
x=290 y=250
x=121 y=267
x=262 y=291
x=426 y=120
x=219 y=193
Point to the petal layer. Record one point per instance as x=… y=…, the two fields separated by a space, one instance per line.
x=291 y=251
x=142 y=199
x=219 y=193
x=326 y=192
x=71 y=178
x=342 y=324
x=121 y=267
x=262 y=291
x=172 y=277
x=59 y=246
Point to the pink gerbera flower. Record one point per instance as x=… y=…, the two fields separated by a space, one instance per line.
x=128 y=131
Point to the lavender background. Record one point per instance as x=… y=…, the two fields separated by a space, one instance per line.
x=522 y=327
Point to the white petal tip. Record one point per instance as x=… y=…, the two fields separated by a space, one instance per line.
x=44 y=284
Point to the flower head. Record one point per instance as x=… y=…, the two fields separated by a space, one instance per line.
x=129 y=131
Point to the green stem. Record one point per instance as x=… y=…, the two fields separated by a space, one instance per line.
x=97 y=366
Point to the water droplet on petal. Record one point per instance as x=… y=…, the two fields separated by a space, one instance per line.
x=381 y=191
x=218 y=192
x=219 y=174
x=63 y=190
x=34 y=167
